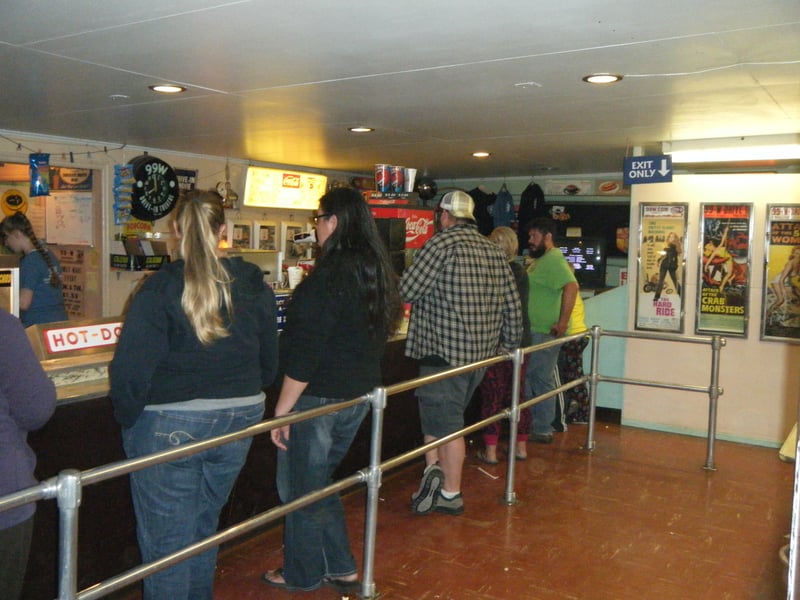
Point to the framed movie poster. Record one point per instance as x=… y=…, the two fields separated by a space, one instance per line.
x=726 y=235
x=662 y=267
x=781 y=299
x=239 y=233
x=265 y=235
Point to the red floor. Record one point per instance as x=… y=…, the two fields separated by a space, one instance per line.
x=637 y=518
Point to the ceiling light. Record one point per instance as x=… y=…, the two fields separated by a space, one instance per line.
x=480 y=154
x=749 y=148
x=167 y=88
x=360 y=129
x=602 y=78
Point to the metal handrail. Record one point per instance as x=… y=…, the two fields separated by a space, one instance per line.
x=67 y=486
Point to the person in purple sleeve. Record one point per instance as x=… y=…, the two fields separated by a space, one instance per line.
x=27 y=401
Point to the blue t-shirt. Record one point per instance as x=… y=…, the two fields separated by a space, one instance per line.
x=47 y=305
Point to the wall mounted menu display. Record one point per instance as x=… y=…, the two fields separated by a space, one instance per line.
x=276 y=188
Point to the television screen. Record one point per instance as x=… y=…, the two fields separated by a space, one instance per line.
x=588 y=258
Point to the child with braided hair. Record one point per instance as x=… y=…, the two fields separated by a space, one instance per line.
x=40 y=290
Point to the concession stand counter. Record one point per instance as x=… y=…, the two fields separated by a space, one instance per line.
x=83 y=434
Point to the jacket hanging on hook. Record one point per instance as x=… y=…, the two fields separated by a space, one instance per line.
x=503 y=208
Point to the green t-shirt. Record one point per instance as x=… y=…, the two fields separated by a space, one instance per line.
x=549 y=275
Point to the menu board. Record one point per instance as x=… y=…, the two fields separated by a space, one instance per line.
x=276 y=188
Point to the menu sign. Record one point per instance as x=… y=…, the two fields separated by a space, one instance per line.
x=83 y=337
x=276 y=188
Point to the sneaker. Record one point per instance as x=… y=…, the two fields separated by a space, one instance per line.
x=541 y=438
x=449 y=506
x=424 y=500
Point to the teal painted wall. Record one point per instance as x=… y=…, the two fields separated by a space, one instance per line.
x=609 y=310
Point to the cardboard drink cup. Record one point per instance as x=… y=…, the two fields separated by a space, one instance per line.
x=411 y=175
x=295 y=275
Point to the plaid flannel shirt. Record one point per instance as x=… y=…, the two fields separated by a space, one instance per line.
x=466 y=306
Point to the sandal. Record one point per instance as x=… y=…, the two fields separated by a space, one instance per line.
x=481 y=455
x=269 y=579
x=342 y=585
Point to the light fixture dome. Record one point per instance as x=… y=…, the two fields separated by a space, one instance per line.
x=167 y=88
x=602 y=78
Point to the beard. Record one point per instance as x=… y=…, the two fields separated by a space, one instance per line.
x=538 y=251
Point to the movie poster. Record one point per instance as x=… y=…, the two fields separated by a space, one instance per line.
x=662 y=262
x=724 y=270
x=781 y=312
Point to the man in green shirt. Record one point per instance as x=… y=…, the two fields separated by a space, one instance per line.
x=552 y=294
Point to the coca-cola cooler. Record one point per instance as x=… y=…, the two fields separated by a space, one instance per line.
x=417 y=224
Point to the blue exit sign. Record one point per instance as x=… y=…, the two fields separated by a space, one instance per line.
x=647 y=169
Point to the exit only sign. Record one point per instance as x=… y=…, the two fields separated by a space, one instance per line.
x=647 y=169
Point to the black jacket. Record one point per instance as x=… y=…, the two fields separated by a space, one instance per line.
x=160 y=360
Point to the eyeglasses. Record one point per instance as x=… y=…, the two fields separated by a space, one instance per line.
x=316 y=218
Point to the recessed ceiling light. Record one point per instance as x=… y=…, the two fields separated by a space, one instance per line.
x=360 y=129
x=602 y=78
x=480 y=154
x=167 y=88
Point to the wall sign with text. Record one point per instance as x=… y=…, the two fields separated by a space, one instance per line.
x=726 y=237
x=781 y=293
x=662 y=266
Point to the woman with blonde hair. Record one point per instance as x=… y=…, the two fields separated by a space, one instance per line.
x=496 y=385
x=197 y=348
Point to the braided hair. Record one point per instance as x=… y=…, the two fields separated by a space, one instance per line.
x=19 y=222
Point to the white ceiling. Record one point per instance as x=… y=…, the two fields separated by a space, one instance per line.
x=280 y=82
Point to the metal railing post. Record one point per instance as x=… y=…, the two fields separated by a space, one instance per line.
x=68 y=494
x=378 y=398
x=67 y=487
x=517 y=357
x=593 y=381
x=717 y=343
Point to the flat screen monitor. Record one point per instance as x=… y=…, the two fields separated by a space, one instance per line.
x=587 y=255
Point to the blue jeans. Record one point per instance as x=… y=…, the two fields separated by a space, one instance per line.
x=316 y=543
x=539 y=380
x=178 y=503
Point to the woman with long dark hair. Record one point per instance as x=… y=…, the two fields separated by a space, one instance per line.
x=198 y=347
x=337 y=324
x=40 y=291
